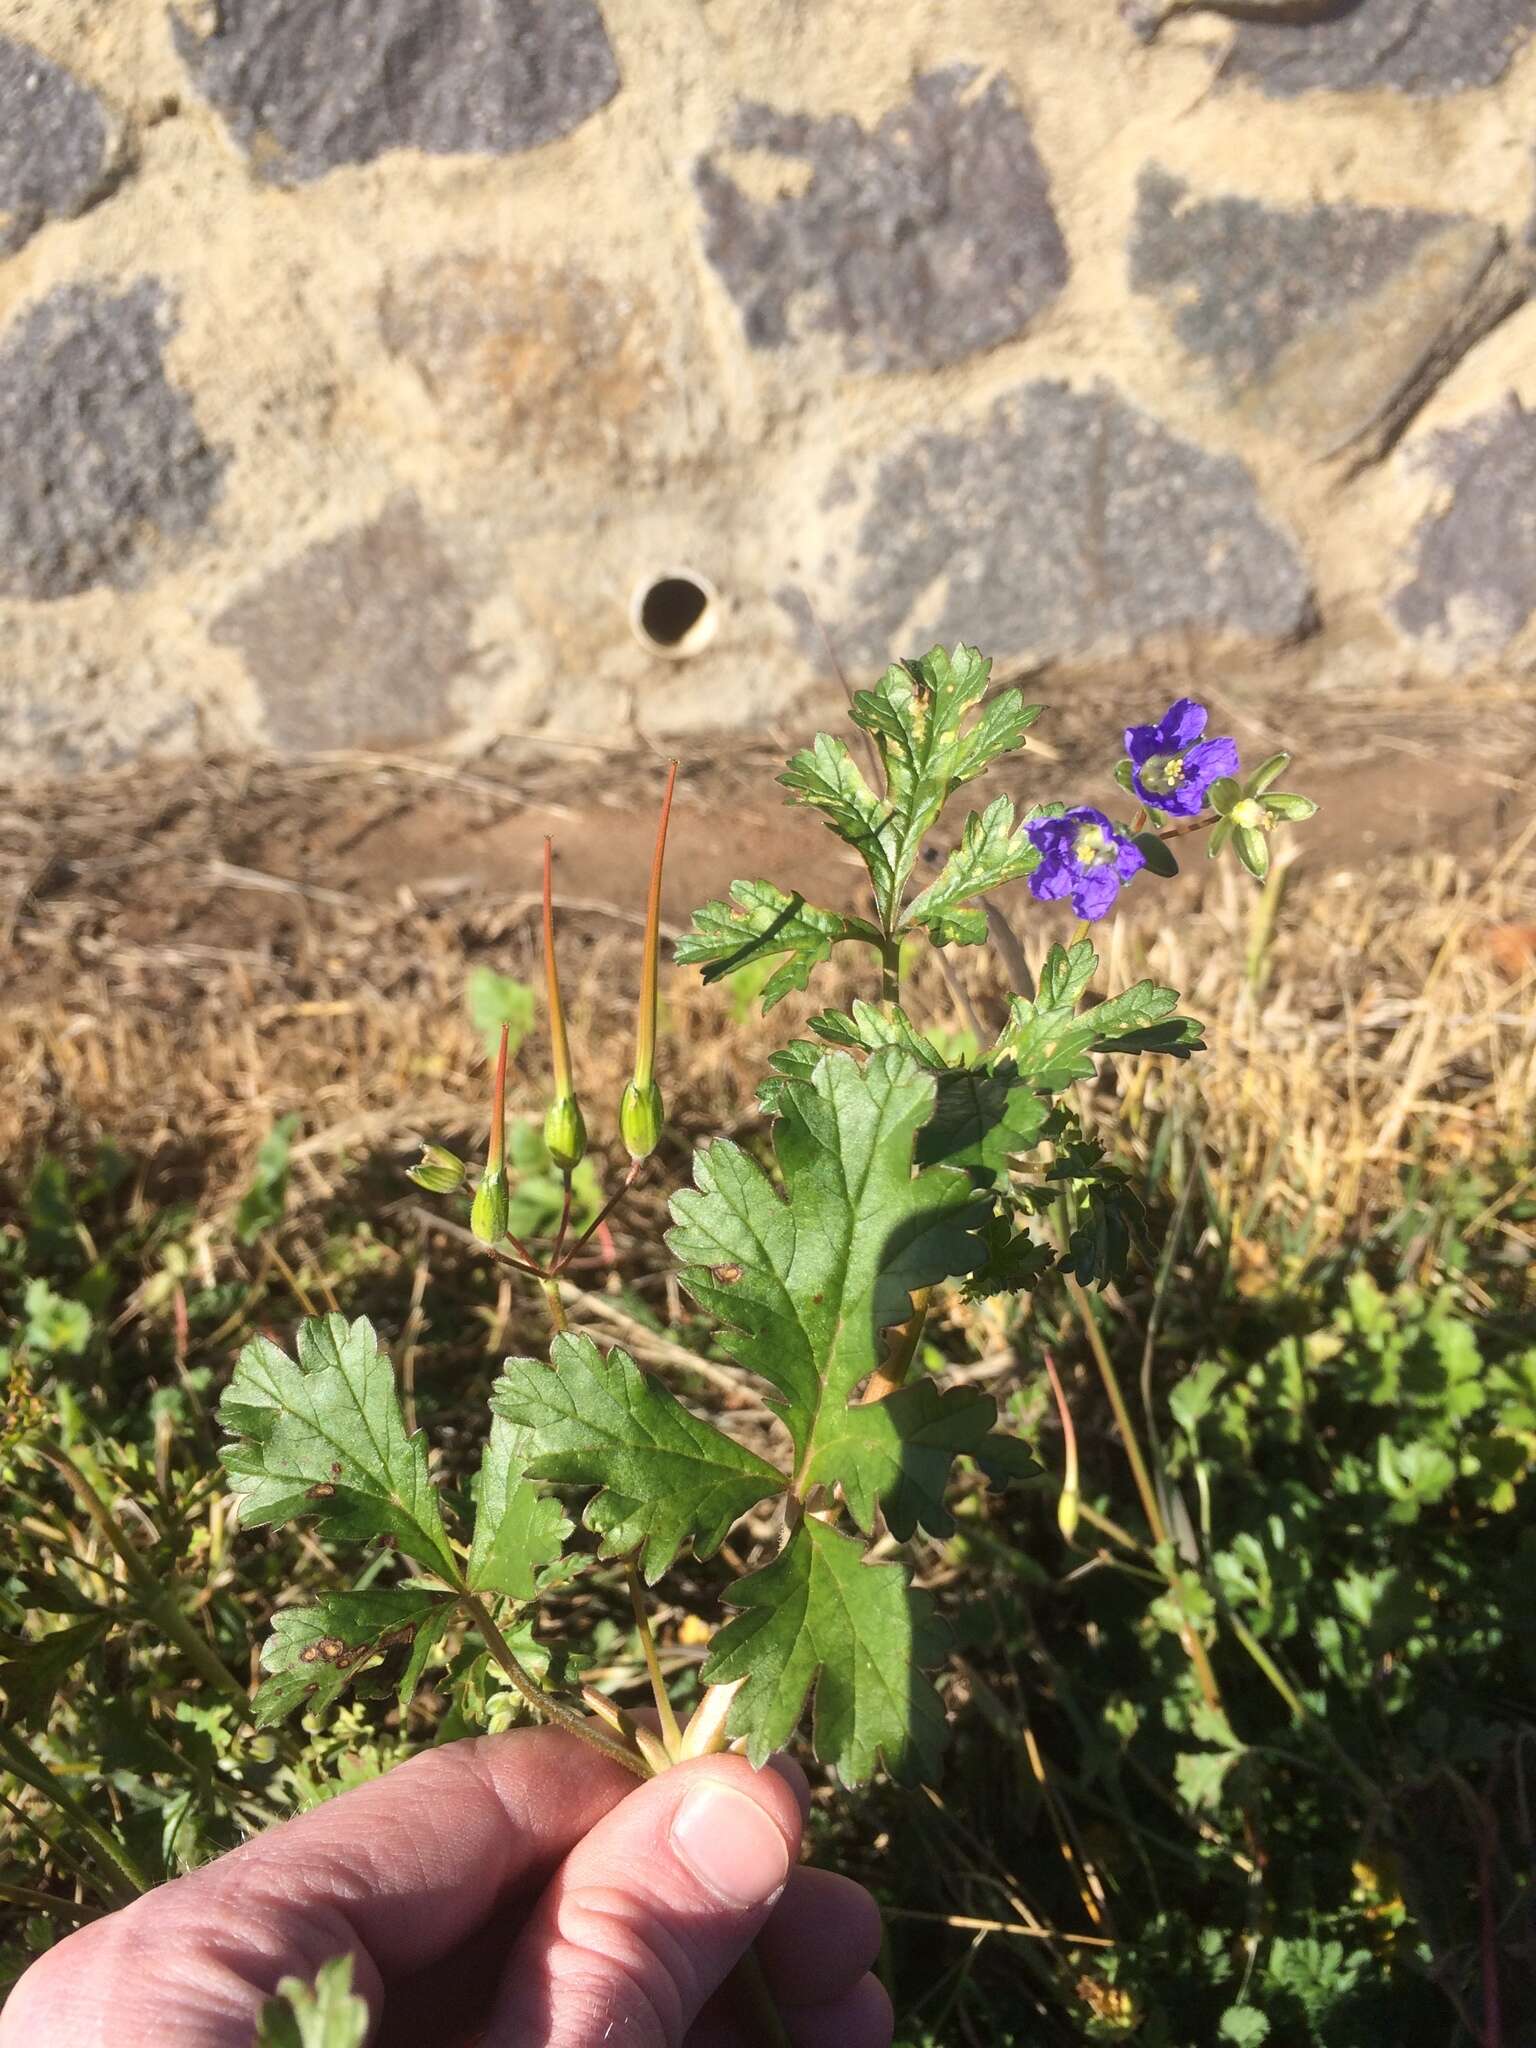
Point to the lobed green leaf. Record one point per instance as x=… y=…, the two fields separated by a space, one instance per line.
x=819 y=1618
x=826 y=777
x=32 y=1668
x=807 y=1282
x=1050 y=1044
x=324 y=1437
x=666 y=1477
x=518 y=1530
x=992 y=851
x=898 y=1453
x=314 y=1652
x=761 y=922
x=328 y=2015
x=918 y=714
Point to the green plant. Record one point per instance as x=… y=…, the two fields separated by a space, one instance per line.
x=907 y=1159
x=896 y=1171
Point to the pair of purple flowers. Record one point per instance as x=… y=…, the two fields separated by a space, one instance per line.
x=1087 y=858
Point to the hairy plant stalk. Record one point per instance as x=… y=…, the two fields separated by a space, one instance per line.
x=645 y=1023
x=123 y=1868
x=554 y=1306
x=904 y=1342
x=545 y=1704
x=559 y=1038
x=671 y=1735
x=44 y=1902
x=1194 y=1648
x=890 y=971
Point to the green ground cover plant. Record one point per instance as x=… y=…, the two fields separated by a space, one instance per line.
x=1244 y=1623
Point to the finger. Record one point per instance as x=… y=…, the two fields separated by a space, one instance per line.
x=649 y=1913
x=465 y=1982
x=859 y=2018
x=398 y=1873
x=820 y=1938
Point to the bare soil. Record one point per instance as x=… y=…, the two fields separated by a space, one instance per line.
x=155 y=884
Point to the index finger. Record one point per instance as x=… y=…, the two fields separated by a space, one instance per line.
x=398 y=1873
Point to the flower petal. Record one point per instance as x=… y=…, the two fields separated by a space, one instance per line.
x=1129 y=858
x=1085 y=814
x=1142 y=742
x=1050 y=881
x=1208 y=762
x=1183 y=802
x=1094 y=893
x=1181 y=725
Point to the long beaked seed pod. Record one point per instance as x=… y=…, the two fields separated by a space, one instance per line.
x=640 y=1119
x=565 y=1128
x=488 y=1214
x=565 y=1133
x=640 y=1112
x=488 y=1211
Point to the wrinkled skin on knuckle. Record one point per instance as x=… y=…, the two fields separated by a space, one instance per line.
x=612 y=1953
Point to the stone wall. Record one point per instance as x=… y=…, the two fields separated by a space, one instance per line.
x=367 y=367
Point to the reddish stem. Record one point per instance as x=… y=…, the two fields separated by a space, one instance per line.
x=645 y=1031
x=560 y=1049
x=496 y=1150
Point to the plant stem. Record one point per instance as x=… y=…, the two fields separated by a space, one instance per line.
x=157 y=1600
x=122 y=1865
x=44 y=1902
x=559 y=1042
x=1187 y=825
x=1130 y=1442
x=60 y=1849
x=749 y=1988
x=1113 y=1531
x=1301 y=1713
x=631 y=1175
x=1132 y=1446
x=540 y=1702
x=908 y=1336
x=890 y=970
x=553 y=1303
x=671 y=1734
x=645 y=1024
x=1189 y=1636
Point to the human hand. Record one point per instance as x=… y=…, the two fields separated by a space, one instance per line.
x=515 y=1891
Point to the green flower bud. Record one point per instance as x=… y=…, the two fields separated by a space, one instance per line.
x=488 y=1217
x=437 y=1170
x=1283 y=804
x=1252 y=851
x=640 y=1119
x=565 y=1133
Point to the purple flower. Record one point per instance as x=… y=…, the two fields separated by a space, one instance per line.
x=1172 y=767
x=1084 y=856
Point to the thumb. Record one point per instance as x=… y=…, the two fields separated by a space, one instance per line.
x=649 y=1913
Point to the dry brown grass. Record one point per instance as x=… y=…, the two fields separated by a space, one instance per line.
x=1357 y=1021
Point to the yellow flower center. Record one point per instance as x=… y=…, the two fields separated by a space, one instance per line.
x=1092 y=848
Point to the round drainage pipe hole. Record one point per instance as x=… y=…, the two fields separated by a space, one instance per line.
x=673 y=612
